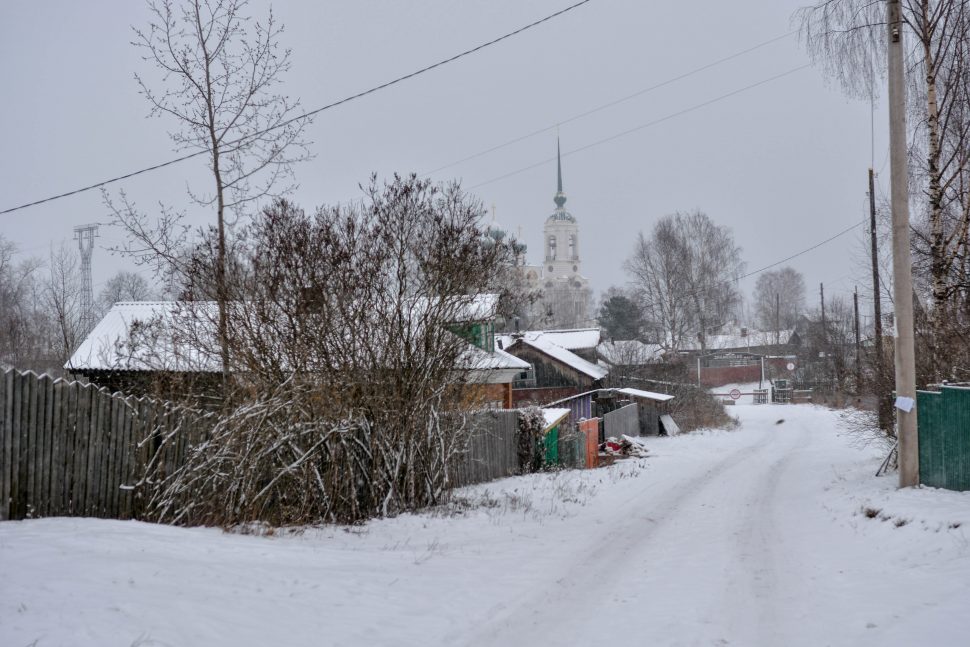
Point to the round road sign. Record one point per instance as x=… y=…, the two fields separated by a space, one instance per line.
x=735 y=394
x=790 y=367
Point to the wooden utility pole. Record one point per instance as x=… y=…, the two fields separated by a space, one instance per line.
x=858 y=344
x=883 y=404
x=902 y=259
x=821 y=296
x=777 y=319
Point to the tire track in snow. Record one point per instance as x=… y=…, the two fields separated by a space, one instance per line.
x=593 y=575
x=756 y=547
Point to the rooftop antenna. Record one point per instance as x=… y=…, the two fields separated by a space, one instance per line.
x=85 y=235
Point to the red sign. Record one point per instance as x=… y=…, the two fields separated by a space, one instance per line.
x=735 y=394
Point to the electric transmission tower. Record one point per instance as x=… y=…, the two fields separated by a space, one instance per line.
x=85 y=235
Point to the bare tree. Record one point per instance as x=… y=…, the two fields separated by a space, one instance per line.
x=22 y=324
x=62 y=299
x=686 y=275
x=779 y=298
x=124 y=286
x=353 y=335
x=217 y=76
x=847 y=38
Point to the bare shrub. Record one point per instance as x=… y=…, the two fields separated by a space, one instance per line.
x=350 y=356
x=695 y=408
x=862 y=426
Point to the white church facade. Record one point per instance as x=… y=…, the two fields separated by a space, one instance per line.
x=566 y=296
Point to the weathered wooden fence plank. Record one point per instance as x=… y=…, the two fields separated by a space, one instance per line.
x=91 y=453
x=123 y=493
x=31 y=443
x=6 y=443
x=113 y=406
x=57 y=454
x=19 y=471
x=102 y=433
x=81 y=454
x=69 y=418
x=47 y=416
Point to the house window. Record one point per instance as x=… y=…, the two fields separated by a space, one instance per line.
x=572 y=246
x=552 y=248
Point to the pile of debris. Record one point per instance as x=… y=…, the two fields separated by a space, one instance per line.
x=622 y=446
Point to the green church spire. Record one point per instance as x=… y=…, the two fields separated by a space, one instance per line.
x=560 y=198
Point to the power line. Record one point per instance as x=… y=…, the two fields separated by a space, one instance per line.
x=646 y=125
x=804 y=251
x=308 y=114
x=771 y=265
x=612 y=103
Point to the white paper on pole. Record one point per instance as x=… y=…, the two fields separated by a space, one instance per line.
x=905 y=404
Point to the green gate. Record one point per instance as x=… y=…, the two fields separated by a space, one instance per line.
x=944 y=437
x=551 y=442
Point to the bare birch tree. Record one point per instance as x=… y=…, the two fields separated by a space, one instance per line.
x=779 y=298
x=686 y=275
x=22 y=324
x=847 y=38
x=62 y=298
x=218 y=70
x=124 y=286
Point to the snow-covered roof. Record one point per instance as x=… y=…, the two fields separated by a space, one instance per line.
x=554 y=416
x=480 y=307
x=629 y=352
x=139 y=336
x=574 y=339
x=567 y=357
x=646 y=395
x=501 y=359
x=734 y=340
x=495 y=367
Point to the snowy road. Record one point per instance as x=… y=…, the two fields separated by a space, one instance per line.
x=709 y=537
x=750 y=537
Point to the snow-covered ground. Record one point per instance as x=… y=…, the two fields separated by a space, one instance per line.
x=773 y=534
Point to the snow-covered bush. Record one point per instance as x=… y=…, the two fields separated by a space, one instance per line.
x=350 y=374
x=531 y=424
x=695 y=408
x=282 y=460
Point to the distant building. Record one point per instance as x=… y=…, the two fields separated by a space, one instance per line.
x=559 y=365
x=566 y=296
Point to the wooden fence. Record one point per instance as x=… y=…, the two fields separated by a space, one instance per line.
x=493 y=448
x=624 y=421
x=72 y=449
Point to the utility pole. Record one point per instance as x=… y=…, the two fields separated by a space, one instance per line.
x=858 y=354
x=821 y=296
x=85 y=235
x=777 y=319
x=880 y=391
x=902 y=258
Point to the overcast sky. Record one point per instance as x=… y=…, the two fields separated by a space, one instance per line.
x=783 y=164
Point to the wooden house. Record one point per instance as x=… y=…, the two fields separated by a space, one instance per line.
x=556 y=372
x=136 y=348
